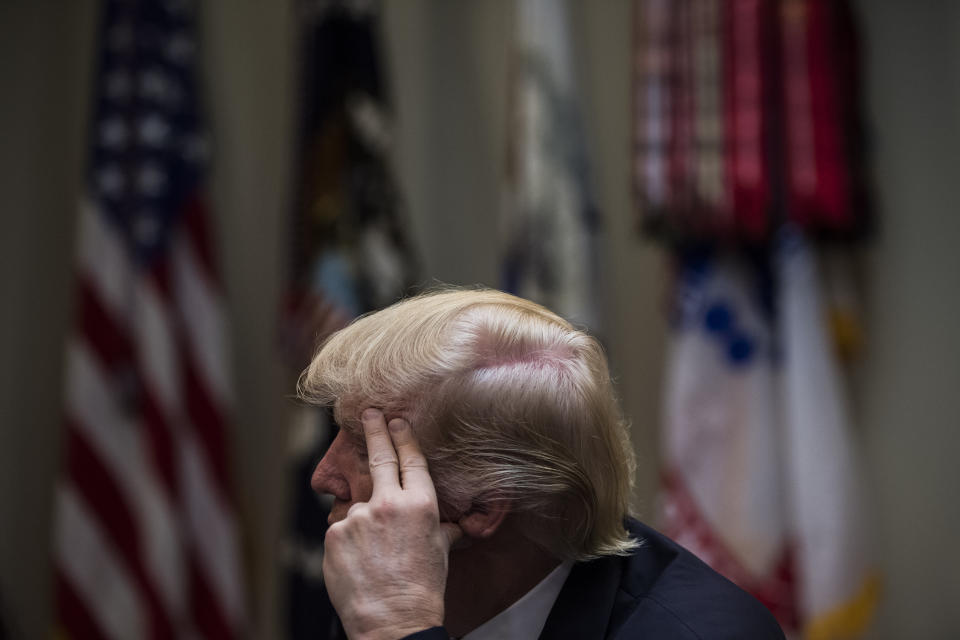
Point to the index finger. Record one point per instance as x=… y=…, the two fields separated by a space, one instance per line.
x=381 y=455
x=414 y=474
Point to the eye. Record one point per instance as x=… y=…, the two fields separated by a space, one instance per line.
x=359 y=445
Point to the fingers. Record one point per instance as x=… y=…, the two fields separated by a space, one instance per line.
x=414 y=474
x=380 y=452
x=394 y=456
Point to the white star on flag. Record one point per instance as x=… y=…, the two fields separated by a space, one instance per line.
x=113 y=133
x=117 y=84
x=154 y=130
x=154 y=85
x=150 y=180
x=111 y=181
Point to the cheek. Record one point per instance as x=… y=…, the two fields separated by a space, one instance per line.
x=358 y=473
x=361 y=485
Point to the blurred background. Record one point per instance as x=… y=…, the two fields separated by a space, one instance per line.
x=459 y=130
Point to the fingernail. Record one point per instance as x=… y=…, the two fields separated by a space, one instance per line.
x=397 y=425
x=370 y=414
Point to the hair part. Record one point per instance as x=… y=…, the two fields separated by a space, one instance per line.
x=510 y=403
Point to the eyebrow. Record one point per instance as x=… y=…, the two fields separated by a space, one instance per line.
x=358 y=440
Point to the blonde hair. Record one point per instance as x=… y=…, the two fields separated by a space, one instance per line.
x=509 y=401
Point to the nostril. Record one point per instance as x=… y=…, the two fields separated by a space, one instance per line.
x=326 y=481
x=340 y=489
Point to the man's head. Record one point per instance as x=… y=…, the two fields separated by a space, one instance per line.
x=511 y=404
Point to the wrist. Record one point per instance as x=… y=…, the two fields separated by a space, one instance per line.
x=396 y=632
x=394 y=618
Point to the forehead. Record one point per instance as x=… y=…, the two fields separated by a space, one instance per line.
x=347 y=416
x=426 y=434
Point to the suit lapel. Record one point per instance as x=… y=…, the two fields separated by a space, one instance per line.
x=585 y=604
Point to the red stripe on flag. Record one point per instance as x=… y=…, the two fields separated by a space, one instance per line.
x=160 y=436
x=206 y=609
x=159 y=277
x=73 y=614
x=206 y=420
x=111 y=343
x=92 y=481
x=160 y=442
x=198 y=231
x=108 y=339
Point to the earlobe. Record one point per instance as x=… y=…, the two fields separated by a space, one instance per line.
x=482 y=520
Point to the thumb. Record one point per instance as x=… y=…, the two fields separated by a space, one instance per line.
x=452 y=532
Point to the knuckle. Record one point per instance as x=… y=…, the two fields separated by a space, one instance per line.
x=380 y=459
x=422 y=503
x=414 y=464
x=386 y=508
x=333 y=535
x=415 y=461
x=366 y=610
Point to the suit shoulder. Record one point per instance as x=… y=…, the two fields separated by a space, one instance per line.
x=654 y=618
x=688 y=599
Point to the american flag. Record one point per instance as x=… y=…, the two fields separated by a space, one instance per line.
x=145 y=542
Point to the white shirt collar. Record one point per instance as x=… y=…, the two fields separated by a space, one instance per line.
x=524 y=619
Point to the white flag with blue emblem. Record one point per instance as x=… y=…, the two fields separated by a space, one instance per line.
x=722 y=495
x=760 y=477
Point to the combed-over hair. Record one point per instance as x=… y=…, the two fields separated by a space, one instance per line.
x=509 y=402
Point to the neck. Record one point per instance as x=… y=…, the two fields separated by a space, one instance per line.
x=489 y=575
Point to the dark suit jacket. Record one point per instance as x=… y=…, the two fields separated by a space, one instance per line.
x=659 y=591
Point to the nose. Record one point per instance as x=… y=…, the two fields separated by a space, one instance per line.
x=328 y=477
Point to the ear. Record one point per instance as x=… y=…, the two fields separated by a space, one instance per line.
x=483 y=519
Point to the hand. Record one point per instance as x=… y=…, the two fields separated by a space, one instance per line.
x=385 y=564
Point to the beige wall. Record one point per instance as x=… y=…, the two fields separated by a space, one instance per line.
x=448 y=61
x=249 y=71
x=910 y=391
x=44 y=57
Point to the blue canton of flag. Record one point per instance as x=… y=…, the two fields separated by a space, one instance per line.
x=150 y=149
